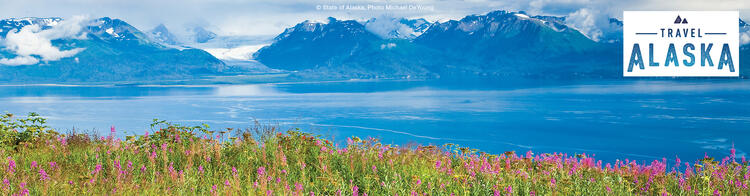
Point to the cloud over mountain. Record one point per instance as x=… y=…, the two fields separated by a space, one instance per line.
x=33 y=43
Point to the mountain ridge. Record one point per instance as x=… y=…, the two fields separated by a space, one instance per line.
x=112 y=50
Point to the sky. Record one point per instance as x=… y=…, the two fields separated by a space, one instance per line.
x=266 y=18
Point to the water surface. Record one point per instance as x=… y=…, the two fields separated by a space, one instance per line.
x=642 y=120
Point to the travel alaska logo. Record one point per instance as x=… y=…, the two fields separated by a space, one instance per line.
x=680 y=44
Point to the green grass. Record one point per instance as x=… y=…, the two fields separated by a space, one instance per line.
x=179 y=160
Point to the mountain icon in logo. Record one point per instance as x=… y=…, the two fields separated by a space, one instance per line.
x=679 y=20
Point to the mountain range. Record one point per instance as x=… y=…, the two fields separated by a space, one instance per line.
x=98 y=50
x=499 y=44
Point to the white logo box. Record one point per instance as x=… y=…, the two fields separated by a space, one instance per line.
x=713 y=27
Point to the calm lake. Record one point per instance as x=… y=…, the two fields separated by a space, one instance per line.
x=641 y=120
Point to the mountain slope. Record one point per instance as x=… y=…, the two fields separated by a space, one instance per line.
x=161 y=34
x=498 y=44
x=514 y=44
x=345 y=49
x=110 y=50
x=396 y=28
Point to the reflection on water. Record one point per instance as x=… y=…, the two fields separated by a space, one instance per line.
x=245 y=90
x=623 y=119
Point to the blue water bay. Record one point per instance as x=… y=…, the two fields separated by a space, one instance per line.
x=642 y=120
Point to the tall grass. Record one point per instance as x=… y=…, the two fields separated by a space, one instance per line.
x=179 y=160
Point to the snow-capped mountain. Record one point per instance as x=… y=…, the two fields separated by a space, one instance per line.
x=102 y=49
x=506 y=31
x=397 y=28
x=492 y=44
x=192 y=35
x=344 y=49
x=202 y=35
x=314 y=43
x=513 y=43
x=161 y=34
x=116 y=30
x=17 y=23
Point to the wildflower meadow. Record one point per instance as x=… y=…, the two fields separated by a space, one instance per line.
x=172 y=159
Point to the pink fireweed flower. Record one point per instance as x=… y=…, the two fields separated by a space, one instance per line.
x=374 y=169
x=226 y=183
x=261 y=171
x=171 y=168
x=112 y=132
x=234 y=171
x=298 y=187
x=43 y=175
x=509 y=189
x=200 y=168
x=419 y=182
x=553 y=182
x=34 y=164
x=52 y=165
x=11 y=165
x=97 y=169
x=355 y=191
x=143 y=168
x=63 y=140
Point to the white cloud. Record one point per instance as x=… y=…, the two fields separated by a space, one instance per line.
x=387 y=26
x=19 y=60
x=585 y=20
x=32 y=41
x=744 y=38
x=388 y=46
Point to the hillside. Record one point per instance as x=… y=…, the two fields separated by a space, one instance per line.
x=100 y=50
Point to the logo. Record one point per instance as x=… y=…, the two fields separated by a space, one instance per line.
x=665 y=44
